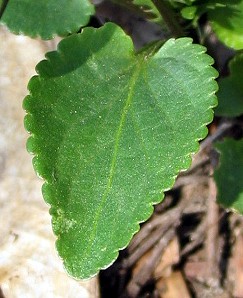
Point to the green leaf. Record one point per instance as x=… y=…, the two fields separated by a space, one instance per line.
x=227 y=22
x=46 y=18
x=230 y=94
x=195 y=11
x=145 y=7
x=150 y=9
x=229 y=176
x=189 y=12
x=111 y=129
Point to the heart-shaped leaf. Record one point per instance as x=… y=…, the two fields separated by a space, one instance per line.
x=111 y=129
x=46 y=18
x=230 y=93
x=229 y=176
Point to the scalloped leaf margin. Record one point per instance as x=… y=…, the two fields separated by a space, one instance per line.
x=46 y=18
x=110 y=130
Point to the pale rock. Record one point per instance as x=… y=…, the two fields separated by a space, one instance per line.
x=29 y=264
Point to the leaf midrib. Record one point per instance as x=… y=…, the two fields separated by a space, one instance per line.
x=114 y=157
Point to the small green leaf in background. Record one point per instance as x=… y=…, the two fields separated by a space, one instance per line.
x=145 y=7
x=111 y=129
x=230 y=94
x=150 y=9
x=46 y=18
x=201 y=7
x=227 y=23
x=195 y=11
x=189 y=12
x=229 y=175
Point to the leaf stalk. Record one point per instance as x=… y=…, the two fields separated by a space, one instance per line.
x=169 y=17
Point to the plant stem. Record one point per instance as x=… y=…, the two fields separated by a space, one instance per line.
x=3 y=7
x=169 y=17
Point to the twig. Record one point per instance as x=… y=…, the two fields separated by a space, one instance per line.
x=144 y=275
x=200 y=161
x=163 y=221
x=160 y=223
x=212 y=235
x=197 y=238
x=197 y=163
x=221 y=130
x=192 y=179
x=155 y=236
